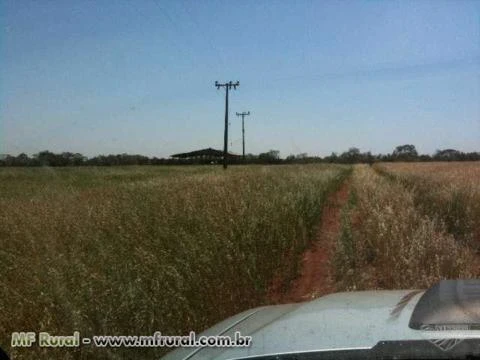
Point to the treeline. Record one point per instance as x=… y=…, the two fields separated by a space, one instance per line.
x=48 y=158
x=401 y=153
x=352 y=156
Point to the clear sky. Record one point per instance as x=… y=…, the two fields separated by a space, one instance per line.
x=104 y=76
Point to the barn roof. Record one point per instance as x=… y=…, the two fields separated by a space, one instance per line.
x=209 y=152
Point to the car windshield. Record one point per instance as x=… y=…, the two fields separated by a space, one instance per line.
x=211 y=179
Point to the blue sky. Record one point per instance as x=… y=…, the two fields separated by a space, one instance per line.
x=101 y=77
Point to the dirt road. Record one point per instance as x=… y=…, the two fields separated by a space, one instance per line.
x=317 y=277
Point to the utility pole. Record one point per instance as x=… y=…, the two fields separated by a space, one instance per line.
x=243 y=114
x=227 y=87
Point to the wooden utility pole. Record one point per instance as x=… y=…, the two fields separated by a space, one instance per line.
x=243 y=114
x=227 y=87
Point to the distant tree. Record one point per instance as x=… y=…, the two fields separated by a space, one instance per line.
x=424 y=158
x=405 y=153
x=8 y=160
x=78 y=159
x=22 y=160
x=47 y=158
x=290 y=158
x=447 y=155
x=351 y=156
x=272 y=156
x=368 y=158
x=302 y=158
x=471 y=156
x=332 y=158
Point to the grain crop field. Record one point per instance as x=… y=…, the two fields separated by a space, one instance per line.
x=408 y=225
x=450 y=191
x=134 y=250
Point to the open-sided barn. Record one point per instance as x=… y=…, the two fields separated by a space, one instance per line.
x=204 y=154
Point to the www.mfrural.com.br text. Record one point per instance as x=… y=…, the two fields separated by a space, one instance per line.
x=46 y=340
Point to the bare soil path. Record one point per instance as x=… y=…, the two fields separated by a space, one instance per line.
x=317 y=271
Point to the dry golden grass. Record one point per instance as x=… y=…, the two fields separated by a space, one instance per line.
x=462 y=174
x=131 y=251
x=449 y=191
x=386 y=243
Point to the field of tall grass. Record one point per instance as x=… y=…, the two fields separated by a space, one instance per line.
x=134 y=250
x=387 y=242
x=449 y=191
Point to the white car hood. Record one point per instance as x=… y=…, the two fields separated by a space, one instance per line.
x=341 y=321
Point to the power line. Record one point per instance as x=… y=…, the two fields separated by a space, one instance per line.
x=227 y=87
x=243 y=114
